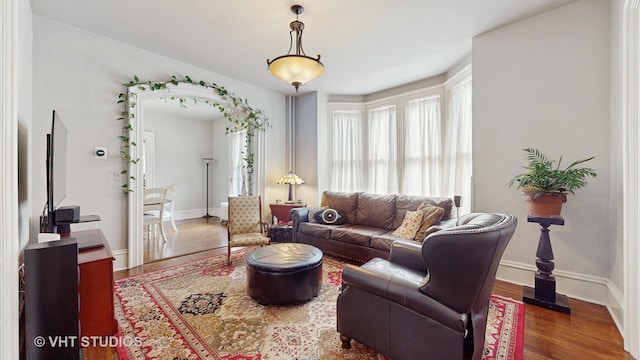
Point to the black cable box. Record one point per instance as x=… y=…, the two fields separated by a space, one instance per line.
x=67 y=213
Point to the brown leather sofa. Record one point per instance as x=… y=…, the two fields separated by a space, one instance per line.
x=430 y=300
x=370 y=221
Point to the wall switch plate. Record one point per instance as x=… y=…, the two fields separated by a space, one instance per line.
x=100 y=152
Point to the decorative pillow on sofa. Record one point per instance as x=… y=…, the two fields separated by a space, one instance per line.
x=313 y=211
x=431 y=215
x=410 y=225
x=330 y=217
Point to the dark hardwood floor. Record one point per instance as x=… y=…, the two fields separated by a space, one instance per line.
x=588 y=333
x=193 y=235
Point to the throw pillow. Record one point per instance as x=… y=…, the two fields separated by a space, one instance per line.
x=431 y=215
x=330 y=217
x=410 y=225
x=313 y=211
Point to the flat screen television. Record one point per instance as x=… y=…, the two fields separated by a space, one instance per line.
x=56 y=169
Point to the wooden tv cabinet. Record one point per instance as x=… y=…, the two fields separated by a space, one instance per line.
x=96 y=285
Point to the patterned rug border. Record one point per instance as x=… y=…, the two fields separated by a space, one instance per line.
x=510 y=346
x=517 y=343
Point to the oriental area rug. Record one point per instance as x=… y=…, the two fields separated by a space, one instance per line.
x=200 y=310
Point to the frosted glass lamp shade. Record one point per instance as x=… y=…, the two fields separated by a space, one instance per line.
x=296 y=69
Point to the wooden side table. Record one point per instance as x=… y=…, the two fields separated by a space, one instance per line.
x=281 y=212
x=281 y=230
x=544 y=293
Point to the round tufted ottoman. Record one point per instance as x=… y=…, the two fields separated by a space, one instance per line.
x=284 y=273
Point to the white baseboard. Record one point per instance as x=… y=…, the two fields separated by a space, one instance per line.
x=195 y=213
x=121 y=261
x=588 y=288
x=615 y=305
x=593 y=289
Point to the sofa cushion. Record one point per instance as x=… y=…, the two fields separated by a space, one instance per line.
x=355 y=234
x=376 y=210
x=410 y=225
x=329 y=217
x=406 y=203
x=431 y=216
x=383 y=241
x=313 y=210
x=343 y=202
x=315 y=229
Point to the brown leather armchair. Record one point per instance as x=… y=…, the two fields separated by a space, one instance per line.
x=429 y=300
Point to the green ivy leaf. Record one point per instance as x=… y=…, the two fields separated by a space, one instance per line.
x=243 y=117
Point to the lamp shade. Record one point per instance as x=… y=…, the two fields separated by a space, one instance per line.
x=291 y=179
x=296 y=69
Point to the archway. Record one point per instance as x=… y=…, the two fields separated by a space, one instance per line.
x=234 y=109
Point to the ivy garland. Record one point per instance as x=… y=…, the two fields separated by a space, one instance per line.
x=242 y=118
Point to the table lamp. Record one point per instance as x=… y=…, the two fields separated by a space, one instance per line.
x=291 y=179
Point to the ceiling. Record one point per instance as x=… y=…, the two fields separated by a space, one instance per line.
x=366 y=45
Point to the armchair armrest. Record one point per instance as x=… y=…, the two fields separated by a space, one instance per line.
x=265 y=228
x=408 y=254
x=370 y=281
x=398 y=284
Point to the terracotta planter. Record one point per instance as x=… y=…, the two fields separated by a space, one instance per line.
x=547 y=205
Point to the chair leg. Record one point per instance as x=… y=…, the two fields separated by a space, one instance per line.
x=228 y=255
x=173 y=223
x=346 y=341
x=164 y=237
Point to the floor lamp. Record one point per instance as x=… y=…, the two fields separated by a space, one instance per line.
x=207 y=161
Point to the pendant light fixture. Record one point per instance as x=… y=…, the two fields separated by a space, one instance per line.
x=297 y=68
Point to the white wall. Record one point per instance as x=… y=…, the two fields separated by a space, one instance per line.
x=544 y=82
x=616 y=140
x=181 y=143
x=219 y=177
x=80 y=75
x=307 y=155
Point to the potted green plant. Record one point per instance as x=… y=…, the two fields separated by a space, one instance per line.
x=545 y=185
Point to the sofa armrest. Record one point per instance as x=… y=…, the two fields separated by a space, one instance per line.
x=298 y=215
x=409 y=254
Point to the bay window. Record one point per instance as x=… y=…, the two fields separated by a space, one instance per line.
x=412 y=144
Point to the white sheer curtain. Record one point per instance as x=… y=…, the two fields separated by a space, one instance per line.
x=422 y=173
x=382 y=144
x=458 y=161
x=237 y=178
x=405 y=147
x=346 y=150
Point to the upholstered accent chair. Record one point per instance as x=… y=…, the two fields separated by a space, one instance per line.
x=246 y=227
x=429 y=300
